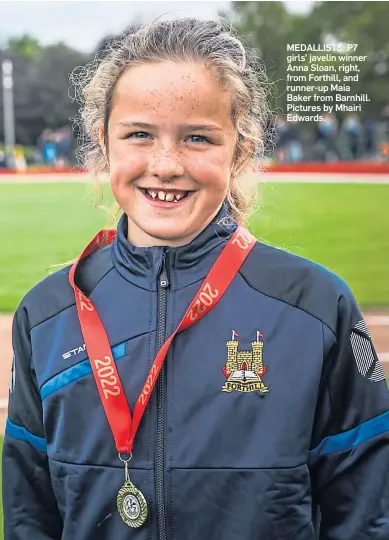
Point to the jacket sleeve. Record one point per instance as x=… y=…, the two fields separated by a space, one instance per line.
x=349 y=456
x=30 y=509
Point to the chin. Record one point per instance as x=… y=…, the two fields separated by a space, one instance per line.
x=165 y=232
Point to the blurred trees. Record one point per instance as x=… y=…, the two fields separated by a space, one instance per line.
x=41 y=82
x=366 y=24
x=25 y=46
x=41 y=85
x=269 y=27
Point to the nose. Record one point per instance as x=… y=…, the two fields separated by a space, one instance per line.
x=165 y=162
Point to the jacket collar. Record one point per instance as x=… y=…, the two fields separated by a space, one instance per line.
x=185 y=264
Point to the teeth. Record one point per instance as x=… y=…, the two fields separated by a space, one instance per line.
x=168 y=197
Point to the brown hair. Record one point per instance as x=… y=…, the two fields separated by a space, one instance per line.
x=216 y=45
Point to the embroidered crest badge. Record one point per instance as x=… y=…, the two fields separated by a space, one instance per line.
x=244 y=369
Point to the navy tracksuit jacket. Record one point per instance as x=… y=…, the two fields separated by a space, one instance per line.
x=298 y=453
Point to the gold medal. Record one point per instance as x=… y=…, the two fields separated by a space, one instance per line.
x=132 y=505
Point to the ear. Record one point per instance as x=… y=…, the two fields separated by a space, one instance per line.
x=248 y=148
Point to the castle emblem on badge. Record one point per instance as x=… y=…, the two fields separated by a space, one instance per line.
x=244 y=369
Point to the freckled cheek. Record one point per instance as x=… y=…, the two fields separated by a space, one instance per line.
x=214 y=176
x=127 y=164
x=218 y=158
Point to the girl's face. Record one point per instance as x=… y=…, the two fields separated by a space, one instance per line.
x=171 y=144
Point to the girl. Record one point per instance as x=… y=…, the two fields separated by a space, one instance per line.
x=182 y=381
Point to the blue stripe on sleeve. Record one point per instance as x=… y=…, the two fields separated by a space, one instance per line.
x=74 y=373
x=349 y=439
x=21 y=433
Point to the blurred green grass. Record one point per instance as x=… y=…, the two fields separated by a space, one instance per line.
x=1 y=490
x=342 y=226
x=45 y=224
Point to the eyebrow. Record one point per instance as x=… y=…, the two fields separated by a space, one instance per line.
x=194 y=127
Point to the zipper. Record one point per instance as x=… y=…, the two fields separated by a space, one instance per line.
x=163 y=284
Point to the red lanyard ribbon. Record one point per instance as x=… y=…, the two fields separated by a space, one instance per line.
x=123 y=425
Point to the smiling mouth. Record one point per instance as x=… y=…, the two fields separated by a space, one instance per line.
x=165 y=195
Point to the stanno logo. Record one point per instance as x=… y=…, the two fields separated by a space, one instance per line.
x=74 y=352
x=244 y=369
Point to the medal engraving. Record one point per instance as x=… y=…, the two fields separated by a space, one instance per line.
x=132 y=505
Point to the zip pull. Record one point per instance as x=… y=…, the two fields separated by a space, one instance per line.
x=163 y=277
